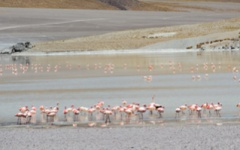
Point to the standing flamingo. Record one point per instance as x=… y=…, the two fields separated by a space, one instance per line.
x=177 y=110
x=198 y=109
x=142 y=110
x=218 y=108
x=65 y=113
x=76 y=113
x=183 y=108
x=160 y=111
x=108 y=113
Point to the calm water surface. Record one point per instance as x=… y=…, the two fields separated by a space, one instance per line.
x=85 y=80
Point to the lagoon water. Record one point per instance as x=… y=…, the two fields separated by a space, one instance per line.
x=84 y=80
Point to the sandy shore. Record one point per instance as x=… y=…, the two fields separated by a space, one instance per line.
x=148 y=38
x=151 y=137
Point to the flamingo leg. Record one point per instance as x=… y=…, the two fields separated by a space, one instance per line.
x=19 y=121
x=176 y=115
x=107 y=119
x=140 y=116
x=151 y=112
x=183 y=113
x=28 y=119
x=65 y=117
x=199 y=114
x=160 y=115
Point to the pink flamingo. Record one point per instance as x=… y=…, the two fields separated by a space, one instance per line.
x=33 y=112
x=128 y=111
x=198 y=109
x=183 y=108
x=91 y=110
x=142 y=110
x=19 y=115
x=115 y=109
x=210 y=107
x=218 y=108
x=65 y=113
x=24 y=114
x=108 y=112
x=192 y=108
x=238 y=105
x=204 y=106
x=160 y=111
x=76 y=113
x=177 y=110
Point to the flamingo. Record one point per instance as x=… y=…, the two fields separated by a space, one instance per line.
x=76 y=113
x=83 y=109
x=124 y=102
x=91 y=110
x=19 y=115
x=204 y=106
x=150 y=67
x=142 y=110
x=33 y=112
x=148 y=78
x=177 y=110
x=198 y=109
x=183 y=108
x=99 y=105
x=192 y=108
x=23 y=113
x=43 y=112
x=65 y=113
x=160 y=111
x=128 y=111
x=23 y=109
x=210 y=107
x=151 y=107
x=121 y=110
x=52 y=112
x=115 y=110
x=238 y=105
x=108 y=112
x=218 y=108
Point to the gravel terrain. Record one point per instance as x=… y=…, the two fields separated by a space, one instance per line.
x=154 y=137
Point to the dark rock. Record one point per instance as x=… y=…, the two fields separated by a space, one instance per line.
x=19 y=47
x=121 y=4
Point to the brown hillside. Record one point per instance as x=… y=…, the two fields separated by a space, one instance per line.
x=69 y=4
x=149 y=5
x=94 y=4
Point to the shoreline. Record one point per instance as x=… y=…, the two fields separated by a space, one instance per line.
x=119 y=52
x=169 y=121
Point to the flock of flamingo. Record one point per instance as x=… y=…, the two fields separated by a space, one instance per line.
x=124 y=112
x=198 y=71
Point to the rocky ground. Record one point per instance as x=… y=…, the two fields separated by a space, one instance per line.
x=151 y=137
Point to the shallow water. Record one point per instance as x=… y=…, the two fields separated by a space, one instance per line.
x=84 y=80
